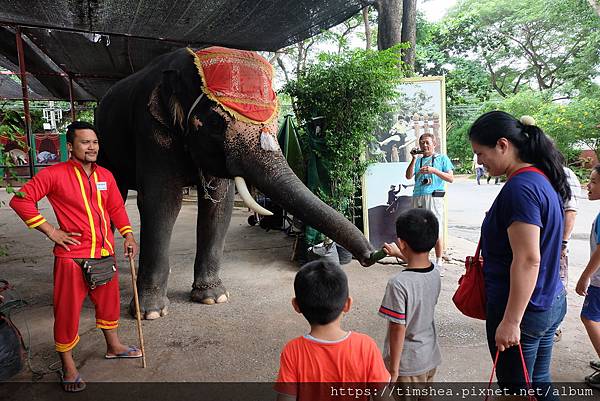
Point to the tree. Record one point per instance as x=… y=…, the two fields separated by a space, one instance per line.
x=543 y=45
x=595 y=5
x=409 y=31
x=389 y=23
x=351 y=90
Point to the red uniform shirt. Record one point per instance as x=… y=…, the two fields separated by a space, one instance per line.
x=82 y=204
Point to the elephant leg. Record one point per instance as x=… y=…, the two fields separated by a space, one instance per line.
x=214 y=216
x=159 y=204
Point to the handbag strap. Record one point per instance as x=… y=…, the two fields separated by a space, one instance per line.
x=478 y=250
x=525 y=373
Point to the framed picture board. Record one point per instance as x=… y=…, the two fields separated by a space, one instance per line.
x=419 y=108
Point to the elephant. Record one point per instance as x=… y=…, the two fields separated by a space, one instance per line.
x=160 y=130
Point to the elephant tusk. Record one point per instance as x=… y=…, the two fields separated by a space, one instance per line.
x=240 y=184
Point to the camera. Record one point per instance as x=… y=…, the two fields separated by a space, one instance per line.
x=426 y=181
x=417 y=151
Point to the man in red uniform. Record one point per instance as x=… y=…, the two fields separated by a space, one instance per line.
x=85 y=200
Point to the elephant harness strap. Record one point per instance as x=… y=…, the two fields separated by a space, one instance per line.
x=239 y=81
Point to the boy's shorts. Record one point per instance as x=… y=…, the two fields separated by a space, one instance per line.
x=591 y=304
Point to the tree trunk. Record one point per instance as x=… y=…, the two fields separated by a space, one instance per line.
x=389 y=23
x=409 y=31
x=595 y=5
x=365 y=12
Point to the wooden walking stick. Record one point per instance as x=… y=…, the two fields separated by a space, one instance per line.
x=137 y=307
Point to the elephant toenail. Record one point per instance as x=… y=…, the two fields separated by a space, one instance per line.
x=152 y=315
x=208 y=301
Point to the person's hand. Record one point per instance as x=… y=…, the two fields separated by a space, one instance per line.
x=428 y=170
x=393 y=376
x=131 y=247
x=392 y=250
x=582 y=285
x=63 y=238
x=507 y=335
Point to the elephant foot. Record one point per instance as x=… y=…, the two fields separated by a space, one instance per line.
x=151 y=307
x=209 y=293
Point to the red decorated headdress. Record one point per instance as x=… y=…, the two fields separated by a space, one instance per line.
x=240 y=81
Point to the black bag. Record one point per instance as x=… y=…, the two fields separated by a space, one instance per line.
x=12 y=348
x=438 y=193
x=97 y=272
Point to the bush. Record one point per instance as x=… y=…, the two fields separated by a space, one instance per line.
x=351 y=90
x=572 y=125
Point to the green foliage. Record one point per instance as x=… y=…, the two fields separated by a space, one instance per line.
x=538 y=44
x=571 y=125
x=86 y=115
x=11 y=126
x=534 y=57
x=351 y=90
x=459 y=147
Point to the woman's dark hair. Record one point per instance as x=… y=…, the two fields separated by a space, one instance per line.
x=597 y=168
x=532 y=144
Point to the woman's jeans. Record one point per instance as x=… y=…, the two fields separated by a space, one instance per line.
x=537 y=339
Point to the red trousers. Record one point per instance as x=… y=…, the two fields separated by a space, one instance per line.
x=70 y=290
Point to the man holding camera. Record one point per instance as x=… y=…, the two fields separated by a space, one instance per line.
x=431 y=172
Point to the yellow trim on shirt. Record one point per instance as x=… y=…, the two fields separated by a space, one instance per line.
x=123 y=228
x=31 y=220
x=34 y=225
x=102 y=213
x=89 y=213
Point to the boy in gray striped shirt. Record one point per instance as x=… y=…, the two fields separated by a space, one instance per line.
x=411 y=350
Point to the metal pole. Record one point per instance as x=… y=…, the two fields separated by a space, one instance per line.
x=23 y=73
x=73 y=114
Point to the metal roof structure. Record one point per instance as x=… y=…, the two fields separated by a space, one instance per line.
x=88 y=45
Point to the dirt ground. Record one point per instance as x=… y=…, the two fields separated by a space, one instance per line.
x=240 y=341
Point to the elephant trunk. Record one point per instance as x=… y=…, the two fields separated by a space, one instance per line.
x=285 y=188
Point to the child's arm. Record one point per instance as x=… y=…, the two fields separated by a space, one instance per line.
x=397 y=332
x=588 y=272
x=393 y=250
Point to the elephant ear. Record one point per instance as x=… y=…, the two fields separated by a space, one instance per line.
x=164 y=104
x=155 y=108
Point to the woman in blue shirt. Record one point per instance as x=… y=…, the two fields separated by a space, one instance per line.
x=521 y=244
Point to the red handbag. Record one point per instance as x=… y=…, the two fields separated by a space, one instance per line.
x=469 y=297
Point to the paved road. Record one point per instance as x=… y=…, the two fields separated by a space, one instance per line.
x=467 y=203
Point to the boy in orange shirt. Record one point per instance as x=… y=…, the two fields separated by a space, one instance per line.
x=327 y=354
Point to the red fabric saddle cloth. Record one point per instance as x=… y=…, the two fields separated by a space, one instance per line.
x=240 y=81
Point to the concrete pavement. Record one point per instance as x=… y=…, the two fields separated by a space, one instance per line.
x=241 y=340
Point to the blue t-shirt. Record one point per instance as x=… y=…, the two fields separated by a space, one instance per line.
x=594 y=242
x=529 y=198
x=442 y=163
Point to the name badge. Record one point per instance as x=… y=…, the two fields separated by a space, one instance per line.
x=101 y=186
